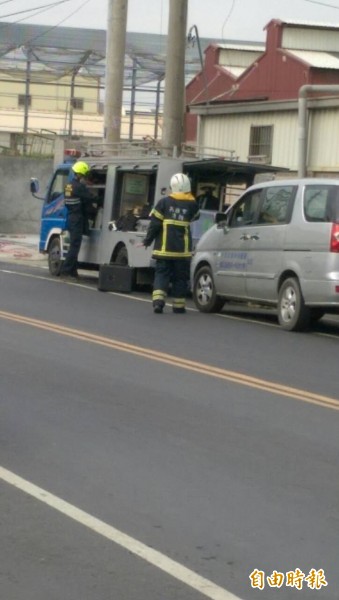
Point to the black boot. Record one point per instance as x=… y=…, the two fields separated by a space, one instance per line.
x=158 y=306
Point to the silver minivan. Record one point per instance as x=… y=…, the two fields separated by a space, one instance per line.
x=277 y=245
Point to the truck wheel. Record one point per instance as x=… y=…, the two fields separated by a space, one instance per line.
x=293 y=315
x=54 y=257
x=204 y=293
x=122 y=257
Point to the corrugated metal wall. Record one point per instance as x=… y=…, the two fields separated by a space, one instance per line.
x=323 y=147
x=297 y=38
x=228 y=57
x=233 y=132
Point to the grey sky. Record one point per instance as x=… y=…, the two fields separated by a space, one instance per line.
x=220 y=19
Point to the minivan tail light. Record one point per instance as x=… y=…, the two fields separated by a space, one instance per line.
x=334 y=245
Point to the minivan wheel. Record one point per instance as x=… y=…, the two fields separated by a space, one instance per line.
x=293 y=315
x=204 y=293
x=54 y=257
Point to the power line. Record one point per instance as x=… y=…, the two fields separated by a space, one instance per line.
x=322 y=4
x=60 y=22
x=4 y=25
x=51 y=5
x=227 y=18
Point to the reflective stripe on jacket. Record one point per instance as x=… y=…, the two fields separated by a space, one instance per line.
x=77 y=196
x=170 y=226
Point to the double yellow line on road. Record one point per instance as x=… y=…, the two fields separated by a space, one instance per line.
x=175 y=361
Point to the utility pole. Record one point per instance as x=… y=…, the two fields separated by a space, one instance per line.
x=27 y=99
x=133 y=86
x=174 y=95
x=115 y=63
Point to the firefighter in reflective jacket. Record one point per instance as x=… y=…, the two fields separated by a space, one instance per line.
x=170 y=230
x=77 y=201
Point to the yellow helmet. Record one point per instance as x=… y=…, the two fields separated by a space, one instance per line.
x=81 y=168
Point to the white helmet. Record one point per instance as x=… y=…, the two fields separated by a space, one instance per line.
x=180 y=183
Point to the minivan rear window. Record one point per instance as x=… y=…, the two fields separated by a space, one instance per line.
x=321 y=203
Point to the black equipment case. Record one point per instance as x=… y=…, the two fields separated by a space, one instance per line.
x=116 y=278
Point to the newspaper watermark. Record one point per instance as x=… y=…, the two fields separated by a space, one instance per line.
x=314 y=580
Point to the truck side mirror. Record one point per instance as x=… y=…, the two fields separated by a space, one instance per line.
x=34 y=185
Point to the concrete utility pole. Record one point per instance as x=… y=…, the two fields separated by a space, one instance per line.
x=27 y=99
x=115 y=62
x=174 y=95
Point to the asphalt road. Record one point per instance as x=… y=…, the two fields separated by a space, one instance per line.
x=162 y=457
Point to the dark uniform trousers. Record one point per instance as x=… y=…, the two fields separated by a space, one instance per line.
x=75 y=228
x=177 y=271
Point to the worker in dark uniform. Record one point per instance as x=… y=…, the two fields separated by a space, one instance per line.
x=207 y=200
x=77 y=201
x=169 y=228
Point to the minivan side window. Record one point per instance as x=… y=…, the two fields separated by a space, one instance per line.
x=245 y=210
x=321 y=203
x=276 y=206
x=266 y=206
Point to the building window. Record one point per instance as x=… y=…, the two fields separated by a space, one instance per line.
x=22 y=100
x=77 y=103
x=261 y=139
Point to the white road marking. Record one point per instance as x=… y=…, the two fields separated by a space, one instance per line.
x=155 y=558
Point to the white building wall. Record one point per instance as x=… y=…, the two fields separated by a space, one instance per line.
x=232 y=132
x=50 y=123
x=323 y=39
x=229 y=57
x=323 y=147
x=50 y=95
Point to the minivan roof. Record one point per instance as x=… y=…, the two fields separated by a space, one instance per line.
x=299 y=181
